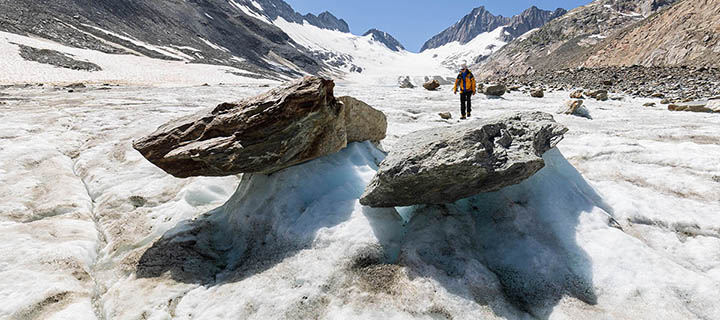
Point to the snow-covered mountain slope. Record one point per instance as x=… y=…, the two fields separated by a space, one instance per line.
x=257 y=39
x=90 y=230
x=454 y=54
x=52 y=62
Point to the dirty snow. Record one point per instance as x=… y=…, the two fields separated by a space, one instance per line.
x=90 y=230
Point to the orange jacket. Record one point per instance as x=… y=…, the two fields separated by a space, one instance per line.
x=465 y=82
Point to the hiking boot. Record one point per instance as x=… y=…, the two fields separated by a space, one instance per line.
x=469 y=115
x=462 y=118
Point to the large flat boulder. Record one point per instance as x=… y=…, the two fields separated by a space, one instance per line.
x=363 y=122
x=296 y=122
x=443 y=165
x=710 y=106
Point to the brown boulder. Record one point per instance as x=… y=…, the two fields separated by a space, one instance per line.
x=431 y=85
x=296 y=122
x=537 y=93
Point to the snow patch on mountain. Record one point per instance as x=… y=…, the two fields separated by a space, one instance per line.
x=116 y=68
x=454 y=54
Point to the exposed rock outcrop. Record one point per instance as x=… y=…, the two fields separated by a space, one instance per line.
x=443 y=165
x=296 y=122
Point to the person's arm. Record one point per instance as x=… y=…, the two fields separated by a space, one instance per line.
x=473 y=85
x=457 y=80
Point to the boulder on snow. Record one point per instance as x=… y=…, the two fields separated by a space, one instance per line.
x=363 y=122
x=577 y=94
x=431 y=85
x=443 y=165
x=497 y=90
x=575 y=108
x=600 y=95
x=711 y=106
x=445 y=115
x=649 y=104
x=405 y=83
x=537 y=93
x=296 y=122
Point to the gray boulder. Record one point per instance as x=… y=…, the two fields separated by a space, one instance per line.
x=296 y=122
x=496 y=90
x=363 y=122
x=443 y=165
x=405 y=83
x=575 y=108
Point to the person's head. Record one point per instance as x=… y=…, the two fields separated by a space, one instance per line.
x=463 y=67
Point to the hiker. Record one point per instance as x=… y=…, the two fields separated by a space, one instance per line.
x=465 y=82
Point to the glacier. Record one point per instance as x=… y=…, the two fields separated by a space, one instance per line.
x=90 y=230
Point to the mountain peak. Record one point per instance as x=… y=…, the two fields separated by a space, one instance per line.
x=327 y=20
x=479 y=20
x=386 y=39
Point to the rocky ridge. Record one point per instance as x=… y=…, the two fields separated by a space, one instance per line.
x=386 y=39
x=480 y=21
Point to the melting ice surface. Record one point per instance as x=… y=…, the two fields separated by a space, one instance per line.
x=91 y=230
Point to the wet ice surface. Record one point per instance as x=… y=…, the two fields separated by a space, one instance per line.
x=89 y=229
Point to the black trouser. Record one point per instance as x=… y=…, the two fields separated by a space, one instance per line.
x=465 y=103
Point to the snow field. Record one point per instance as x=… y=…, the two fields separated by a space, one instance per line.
x=139 y=243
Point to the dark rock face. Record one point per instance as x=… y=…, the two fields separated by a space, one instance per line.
x=288 y=125
x=480 y=21
x=386 y=39
x=530 y=19
x=55 y=58
x=443 y=165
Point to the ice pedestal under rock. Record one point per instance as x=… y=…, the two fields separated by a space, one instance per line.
x=297 y=243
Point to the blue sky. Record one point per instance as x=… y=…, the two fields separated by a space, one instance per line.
x=413 y=22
